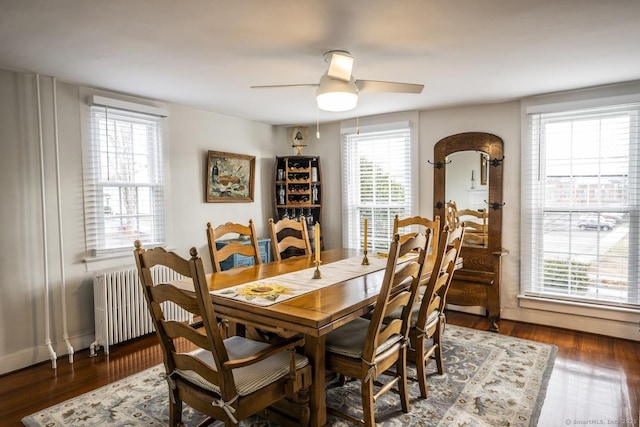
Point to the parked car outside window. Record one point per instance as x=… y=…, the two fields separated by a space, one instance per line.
x=596 y=222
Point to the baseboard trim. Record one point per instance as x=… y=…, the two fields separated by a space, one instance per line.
x=573 y=321
x=40 y=353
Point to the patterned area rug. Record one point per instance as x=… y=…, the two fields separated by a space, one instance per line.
x=489 y=380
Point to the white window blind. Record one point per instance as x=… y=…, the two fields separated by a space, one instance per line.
x=580 y=216
x=123 y=180
x=377 y=184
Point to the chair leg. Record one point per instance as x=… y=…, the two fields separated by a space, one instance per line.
x=401 y=369
x=368 y=407
x=437 y=340
x=175 y=409
x=421 y=369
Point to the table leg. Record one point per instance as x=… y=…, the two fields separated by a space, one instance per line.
x=234 y=328
x=314 y=349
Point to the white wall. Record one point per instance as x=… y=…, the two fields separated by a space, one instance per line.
x=22 y=244
x=192 y=133
x=21 y=307
x=24 y=269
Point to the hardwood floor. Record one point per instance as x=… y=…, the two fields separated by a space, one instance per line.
x=595 y=381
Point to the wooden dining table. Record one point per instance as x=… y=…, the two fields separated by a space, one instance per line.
x=313 y=314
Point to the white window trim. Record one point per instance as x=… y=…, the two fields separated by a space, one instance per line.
x=127 y=105
x=586 y=98
x=380 y=123
x=89 y=97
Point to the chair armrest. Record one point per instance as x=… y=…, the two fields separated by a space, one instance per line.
x=263 y=354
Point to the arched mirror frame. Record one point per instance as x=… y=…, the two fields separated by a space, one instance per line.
x=477 y=283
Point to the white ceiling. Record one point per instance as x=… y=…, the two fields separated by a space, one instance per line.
x=206 y=53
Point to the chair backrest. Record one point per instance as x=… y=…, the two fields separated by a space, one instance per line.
x=450 y=260
x=434 y=297
x=398 y=291
x=199 y=304
x=289 y=233
x=421 y=223
x=233 y=247
x=477 y=226
x=450 y=215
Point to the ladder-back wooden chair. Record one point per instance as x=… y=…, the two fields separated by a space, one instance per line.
x=365 y=349
x=477 y=226
x=422 y=224
x=225 y=379
x=235 y=247
x=451 y=215
x=287 y=234
x=427 y=314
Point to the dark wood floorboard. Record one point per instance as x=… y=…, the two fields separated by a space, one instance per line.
x=595 y=381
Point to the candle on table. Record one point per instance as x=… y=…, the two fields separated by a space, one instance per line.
x=317 y=227
x=366 y=222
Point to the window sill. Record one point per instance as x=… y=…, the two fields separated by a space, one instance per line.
x=115 y=254
x=105 y=257
x=622 y=314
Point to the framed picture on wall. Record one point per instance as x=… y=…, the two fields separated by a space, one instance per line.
x=230 y=177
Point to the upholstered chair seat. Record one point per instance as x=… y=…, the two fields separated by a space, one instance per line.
x=251 y=378
x=349 y=340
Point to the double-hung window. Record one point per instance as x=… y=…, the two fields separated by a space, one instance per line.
x=123 y=179
x=378 y=183
x=580 y=205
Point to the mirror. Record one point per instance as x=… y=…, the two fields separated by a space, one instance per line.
x=467 y=169
x=467 y=185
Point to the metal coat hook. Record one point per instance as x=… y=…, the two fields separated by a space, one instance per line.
x=495 y=162
x=495 y=205
x=439 y=165
x=440 y=205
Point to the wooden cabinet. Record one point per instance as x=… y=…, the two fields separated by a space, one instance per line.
x=298 y=188
x=236 y=260
x=298 y=191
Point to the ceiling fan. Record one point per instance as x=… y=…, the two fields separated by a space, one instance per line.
x=338 y=90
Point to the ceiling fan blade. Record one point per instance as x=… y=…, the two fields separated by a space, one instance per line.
x=278 y=86
x=340 y=65
x=394 y=87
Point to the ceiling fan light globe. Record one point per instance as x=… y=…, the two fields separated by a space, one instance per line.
x=336 y=95
x=337 y=101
